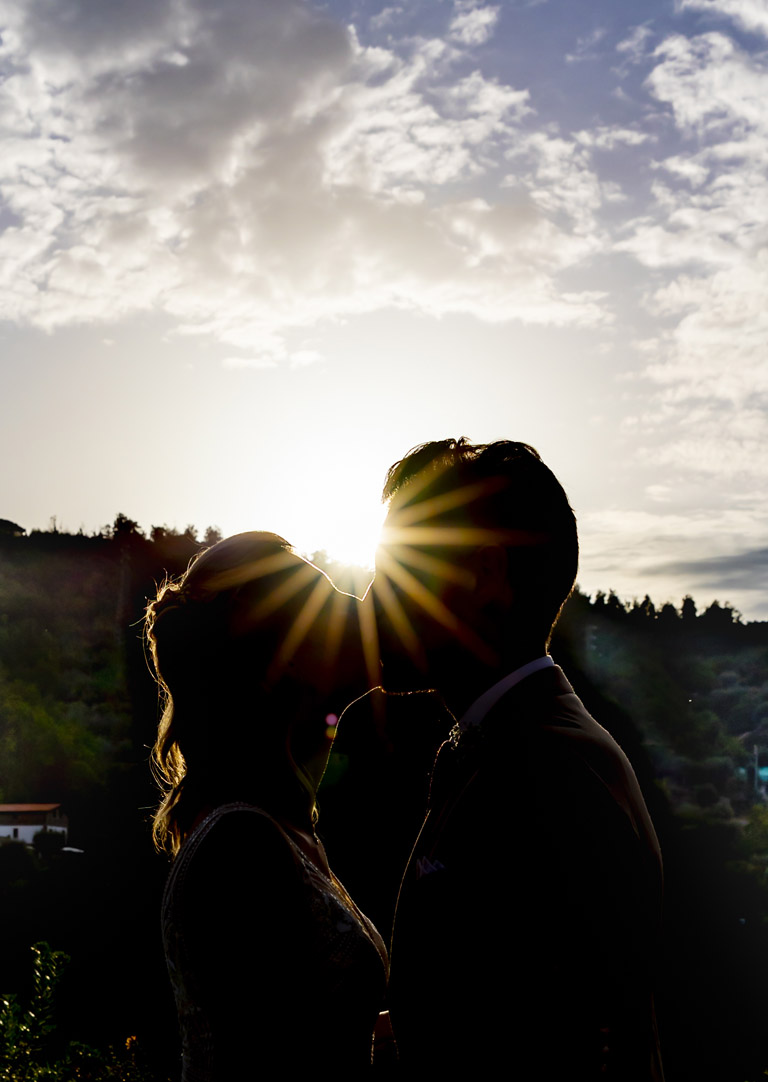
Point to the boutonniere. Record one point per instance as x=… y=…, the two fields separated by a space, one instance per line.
x=465 y=741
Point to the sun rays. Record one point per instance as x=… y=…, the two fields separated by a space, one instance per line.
x=419 y=562
x=396 y=614
x=340 y=613
x=393 y=577
x=418 y=565
x=305 y=619
x=327 y=619
x=411 y=510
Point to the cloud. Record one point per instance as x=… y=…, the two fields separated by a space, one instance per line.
x=252 y=168
x=559 y=176
x=732 y=456
x=709 y=83
x=585 y=46
x=474 y=27
x=633 y=46
x=606 y=137
x=747 y=570
x=750 y=15
x=685 y=166
x=705 y=232
x=385 y=16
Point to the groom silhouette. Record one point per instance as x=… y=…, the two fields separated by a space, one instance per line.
x=526 y=924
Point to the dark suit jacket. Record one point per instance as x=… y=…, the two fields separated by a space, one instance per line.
x=527 y=920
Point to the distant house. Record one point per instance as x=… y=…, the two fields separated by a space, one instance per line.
x=20 y=822
x=10 y=529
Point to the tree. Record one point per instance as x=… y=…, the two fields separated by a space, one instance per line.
x=756 y=831
x=720 y=617
x=643 y=613
x=688 y=610
x=614 y=606
x=123 y=528
x=668 y=619
x=158 y=534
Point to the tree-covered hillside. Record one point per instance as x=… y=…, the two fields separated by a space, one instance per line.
x=685 y=693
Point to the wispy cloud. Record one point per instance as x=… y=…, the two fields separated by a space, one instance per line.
x=605 y=137
x=634 y=45
x=745 y=570
x=473 y=26
x=586 y=46
x=705 y=232
x=385 y=17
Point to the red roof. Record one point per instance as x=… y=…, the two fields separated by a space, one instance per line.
x=28 y=807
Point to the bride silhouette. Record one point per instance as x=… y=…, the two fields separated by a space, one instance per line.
x=270 y=960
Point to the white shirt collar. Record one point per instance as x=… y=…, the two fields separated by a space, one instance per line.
x=480 y=707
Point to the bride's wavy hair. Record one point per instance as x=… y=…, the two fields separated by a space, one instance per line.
x=214 y=638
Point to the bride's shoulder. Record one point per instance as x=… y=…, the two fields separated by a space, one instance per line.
x=236 y=830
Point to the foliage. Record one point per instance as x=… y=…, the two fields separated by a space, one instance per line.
x=30 y=1048
x=62 y=700
x=756 y=830
x=25 y=1033
x=695 y=686
x=48 y=842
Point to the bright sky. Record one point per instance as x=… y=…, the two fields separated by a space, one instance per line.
x=253 y=251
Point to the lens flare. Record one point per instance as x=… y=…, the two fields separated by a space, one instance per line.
x=412 y=588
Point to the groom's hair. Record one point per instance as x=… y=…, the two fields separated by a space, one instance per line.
x=501 y=492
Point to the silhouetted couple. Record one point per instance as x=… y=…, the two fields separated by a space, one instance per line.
x=526 y=925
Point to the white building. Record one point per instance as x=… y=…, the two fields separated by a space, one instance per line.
x=20 y=822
